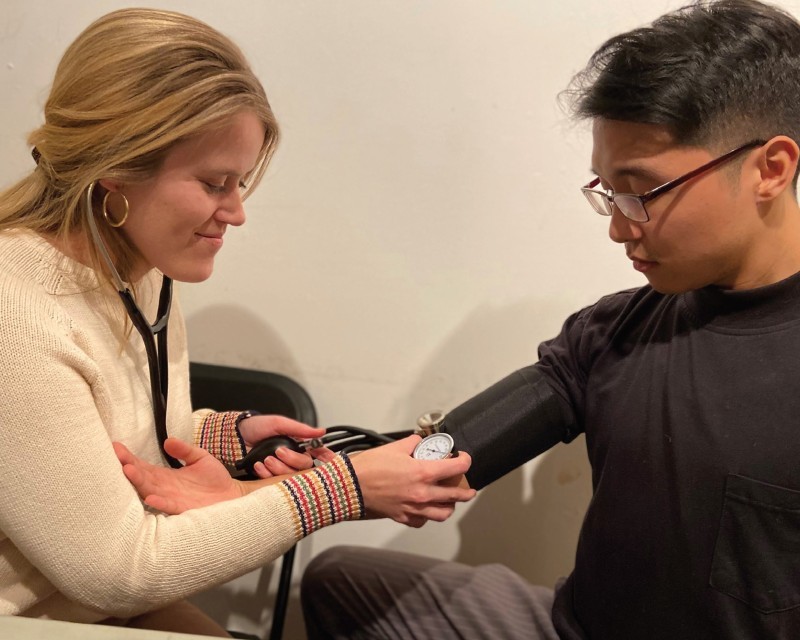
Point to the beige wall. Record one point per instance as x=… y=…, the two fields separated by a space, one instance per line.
x=419 y=233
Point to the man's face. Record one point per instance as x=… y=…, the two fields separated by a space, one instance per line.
x=702 y=232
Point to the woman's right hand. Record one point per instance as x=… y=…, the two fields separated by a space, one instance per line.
x=409 y=491
x=203 y=480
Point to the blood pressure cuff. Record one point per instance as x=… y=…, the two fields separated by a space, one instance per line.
x=508 y=424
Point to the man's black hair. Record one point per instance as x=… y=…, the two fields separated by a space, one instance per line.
x=714 y=74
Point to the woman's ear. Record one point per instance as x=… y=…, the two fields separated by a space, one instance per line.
x=110 y=185
x=777 y=165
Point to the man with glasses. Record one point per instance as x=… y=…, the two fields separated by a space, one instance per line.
x=688 y=389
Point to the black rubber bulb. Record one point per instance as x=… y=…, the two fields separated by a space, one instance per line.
x=260 y=451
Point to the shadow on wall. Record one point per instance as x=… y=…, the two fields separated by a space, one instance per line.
x=528 y=520
x=535 y=536
x=487 y=345
x=232 y=335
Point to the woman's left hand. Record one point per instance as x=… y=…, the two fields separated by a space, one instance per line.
x=257 y=428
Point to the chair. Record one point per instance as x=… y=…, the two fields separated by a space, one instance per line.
x=231 y=388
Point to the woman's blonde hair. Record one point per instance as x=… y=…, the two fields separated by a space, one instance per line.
x=131 y=86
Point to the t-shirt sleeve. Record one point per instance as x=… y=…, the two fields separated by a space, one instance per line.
x=566 y=360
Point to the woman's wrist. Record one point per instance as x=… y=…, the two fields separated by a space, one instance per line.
x=248 y=486
x=220 y=436
x=324 y=495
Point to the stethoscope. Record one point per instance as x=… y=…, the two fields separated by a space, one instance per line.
x=153 y=335
x=345 y=439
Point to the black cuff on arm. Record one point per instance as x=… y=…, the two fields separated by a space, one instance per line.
x=506 y=425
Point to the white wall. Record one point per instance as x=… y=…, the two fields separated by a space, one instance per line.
x=418 y=234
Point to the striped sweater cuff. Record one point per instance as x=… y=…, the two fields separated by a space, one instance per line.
x=325 y=495
x=219 y=435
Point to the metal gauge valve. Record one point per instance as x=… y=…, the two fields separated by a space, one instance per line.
x=429 y=423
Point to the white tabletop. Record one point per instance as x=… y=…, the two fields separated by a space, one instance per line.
x=35 y=629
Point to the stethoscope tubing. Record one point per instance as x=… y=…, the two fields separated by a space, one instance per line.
x=157 y=352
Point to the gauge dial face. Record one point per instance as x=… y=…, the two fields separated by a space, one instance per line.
x=434 y=447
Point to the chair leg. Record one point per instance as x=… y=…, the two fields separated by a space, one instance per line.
x=282 y=597
x=243 y=636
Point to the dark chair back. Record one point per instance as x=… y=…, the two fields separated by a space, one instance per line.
x=232 y=388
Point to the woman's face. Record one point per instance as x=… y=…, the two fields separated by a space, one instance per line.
x=178 y=217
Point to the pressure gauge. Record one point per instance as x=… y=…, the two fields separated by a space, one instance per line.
x=436 y=446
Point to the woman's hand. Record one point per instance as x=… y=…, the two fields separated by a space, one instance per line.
x=257 y=428
x=393 y=484
x=203 y=481
x=409 y=491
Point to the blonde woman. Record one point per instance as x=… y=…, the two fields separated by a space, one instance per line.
x=155 y=132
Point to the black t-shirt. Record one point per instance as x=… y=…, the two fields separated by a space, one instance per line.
x=691 y=408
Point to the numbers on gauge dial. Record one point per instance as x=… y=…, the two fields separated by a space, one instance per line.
x=434 y=447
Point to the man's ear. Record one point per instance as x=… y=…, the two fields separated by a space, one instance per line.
x=777 y=164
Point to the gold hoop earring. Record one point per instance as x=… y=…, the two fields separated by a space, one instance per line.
x=109 y=219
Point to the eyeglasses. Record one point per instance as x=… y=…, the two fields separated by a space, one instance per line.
x=632 y=205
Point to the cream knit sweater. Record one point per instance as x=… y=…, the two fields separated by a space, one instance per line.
x=75 y=541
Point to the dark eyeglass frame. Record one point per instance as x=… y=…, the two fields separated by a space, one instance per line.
x=609 y=200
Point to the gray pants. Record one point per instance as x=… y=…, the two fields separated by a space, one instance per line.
x=359 y=593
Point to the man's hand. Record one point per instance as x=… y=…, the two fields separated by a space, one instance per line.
x=258 y=428
x=203 y=481
x=395 y=485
